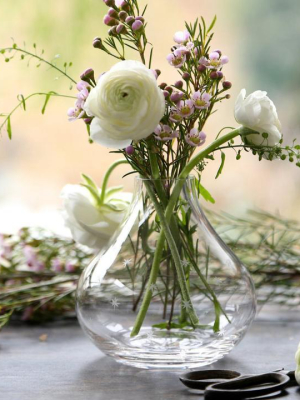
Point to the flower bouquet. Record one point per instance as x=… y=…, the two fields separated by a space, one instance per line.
x=164 y=291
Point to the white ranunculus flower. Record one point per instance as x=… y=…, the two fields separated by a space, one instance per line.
x=127 y=105
x=93 y=225
x=258 y=113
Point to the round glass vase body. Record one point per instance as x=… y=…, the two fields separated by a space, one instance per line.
x=184 y=315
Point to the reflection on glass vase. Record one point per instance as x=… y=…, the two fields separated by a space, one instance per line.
x=145 y=310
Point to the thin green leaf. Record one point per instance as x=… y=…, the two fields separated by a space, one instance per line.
x=92 y=191
x=21 y=98
x=5 y=318
x=150 y=58
x=8 y=127
x=223 y=156
x=109 y=192
x=89 y=181
x=205 y=194
x=212 y=24
x=48 y=95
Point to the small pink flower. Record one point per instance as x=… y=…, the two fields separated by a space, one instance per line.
x=75 y=113
x=70 y=267
x=204 y=61
x=177 y=58
x=201 y=101
x=215 y=60
x=181 y=37
x=165 y=133
x=185 y=108
x=56 y=265
x=82 y=85
x=30 y=255
x=195 y=138
x=174 y=115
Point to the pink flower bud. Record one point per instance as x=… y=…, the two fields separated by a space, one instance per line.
x=88 y=121
x=129 y=20
x=109 y=3
x=112 y=13
x=109 y=21
x=186 y=76
x=97 y=43
x=227 y=85
x=201 y=68
x=142 y=19
x=176 y=96
x=168 y=89
x=121 y=29
x=178 y=84
x=162 y=85
x=113 y=31
x=220 y=74
x=88 y=75
x=213 y=75
x=137 y=25
x=166 y=94
x=129 y=150
x=123 y=15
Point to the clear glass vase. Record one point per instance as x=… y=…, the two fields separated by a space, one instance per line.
x=160 y=322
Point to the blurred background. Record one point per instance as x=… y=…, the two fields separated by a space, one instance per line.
x=47 y=151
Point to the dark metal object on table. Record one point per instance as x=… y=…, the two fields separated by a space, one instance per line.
x=201 y=379
x=231 y=385
x=248 y=387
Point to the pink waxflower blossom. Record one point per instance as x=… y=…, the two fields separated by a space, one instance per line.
x=185 y=107
x=56 y=265
x=181 y=37
x=215 y=60
x=75 y=113
x=204 y=61
x=120 y=3
x=82 y=85
x=70 y=267
x=174 y=115
x=201 y=101
x=30 y=255
x=176 y=96
x=165 y=133
x=177 y=58
x=195 y=138
x=32 y=260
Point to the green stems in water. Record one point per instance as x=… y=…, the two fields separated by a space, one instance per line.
x=166 y=234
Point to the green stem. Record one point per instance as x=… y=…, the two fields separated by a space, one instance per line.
x=152 y=279
x=169 y=211
x=42 y=60
x=176 y=257
x=106 y=177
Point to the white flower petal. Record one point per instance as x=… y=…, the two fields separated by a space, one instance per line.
x=258 y=112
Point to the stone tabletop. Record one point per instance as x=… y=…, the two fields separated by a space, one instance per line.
x=67 y=365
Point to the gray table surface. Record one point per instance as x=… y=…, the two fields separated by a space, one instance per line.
x=69 y=366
